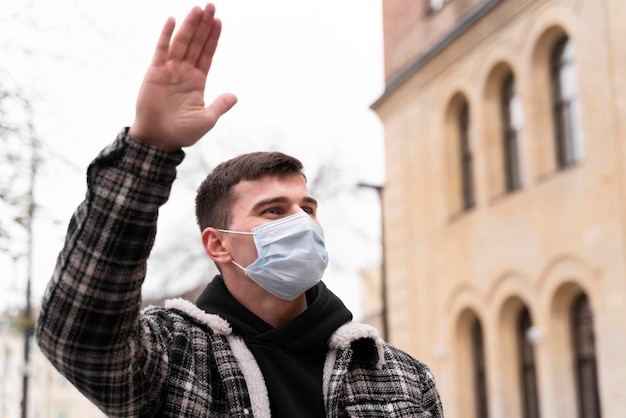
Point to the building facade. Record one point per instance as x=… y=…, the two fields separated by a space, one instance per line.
x=505 y=201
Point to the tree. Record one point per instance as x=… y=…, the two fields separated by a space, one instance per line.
x=19 y=162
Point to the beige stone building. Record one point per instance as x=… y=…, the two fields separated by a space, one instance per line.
x=505 y=201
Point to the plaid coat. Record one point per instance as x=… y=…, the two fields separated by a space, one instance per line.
x=179 y=360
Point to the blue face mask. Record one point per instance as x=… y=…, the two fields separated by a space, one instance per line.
x=292 y=255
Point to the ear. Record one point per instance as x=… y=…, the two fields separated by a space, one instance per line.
x=213 y=247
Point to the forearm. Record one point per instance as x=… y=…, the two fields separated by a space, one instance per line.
x=89 y=323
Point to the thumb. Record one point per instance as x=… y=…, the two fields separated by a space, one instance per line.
x=220 y=106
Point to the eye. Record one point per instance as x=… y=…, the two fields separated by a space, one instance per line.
x=308 y=209
x=272 y=211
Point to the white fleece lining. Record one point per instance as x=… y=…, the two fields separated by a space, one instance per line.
x=329 y=364
x=248 y=365
x=257 y=389
x=218 y=324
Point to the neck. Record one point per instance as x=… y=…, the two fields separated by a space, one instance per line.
x=269 y=308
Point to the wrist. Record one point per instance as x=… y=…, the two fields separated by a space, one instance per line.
x=137 y=134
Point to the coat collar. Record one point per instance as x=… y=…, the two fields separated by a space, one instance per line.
x=218 y=324
x=363 y=338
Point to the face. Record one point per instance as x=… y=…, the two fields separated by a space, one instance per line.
x=260 y=201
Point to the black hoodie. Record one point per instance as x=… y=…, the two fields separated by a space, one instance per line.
x=291 y=357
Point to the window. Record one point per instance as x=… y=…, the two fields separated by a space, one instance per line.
x=527 y=369
x=565 y=103
x=7 y=362
x=478 y=360
x=512 y=120
x=459 y=156
x=585 y=358
x=467 y=160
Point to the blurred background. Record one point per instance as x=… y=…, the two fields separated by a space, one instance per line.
x=304 y=75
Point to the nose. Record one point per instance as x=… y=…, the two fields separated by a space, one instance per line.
x=296 y=209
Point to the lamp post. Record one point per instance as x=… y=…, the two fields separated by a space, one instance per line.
x=383 y=272
x=28 y=220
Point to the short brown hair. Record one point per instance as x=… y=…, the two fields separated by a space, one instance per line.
x=214 y=197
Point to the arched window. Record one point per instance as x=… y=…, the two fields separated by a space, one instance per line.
x=585 y=358
x=566 y=105
x=467 y=159
x=512 y=120
x=527 y=368
x=478 y=361
x=459 y=156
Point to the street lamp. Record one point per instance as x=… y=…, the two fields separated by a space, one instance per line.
x=383 y=273
x=29 y=218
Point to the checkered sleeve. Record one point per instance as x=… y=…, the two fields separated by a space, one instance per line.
x=89 y=326
x=431 y=401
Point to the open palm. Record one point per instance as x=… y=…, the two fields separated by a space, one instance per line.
x=171 y=112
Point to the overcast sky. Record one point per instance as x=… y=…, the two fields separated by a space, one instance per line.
x=305 y=74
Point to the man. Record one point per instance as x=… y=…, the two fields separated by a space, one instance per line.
x=266 y=337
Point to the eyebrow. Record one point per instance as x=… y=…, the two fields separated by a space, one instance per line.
x=281 y=199
x=310 y=200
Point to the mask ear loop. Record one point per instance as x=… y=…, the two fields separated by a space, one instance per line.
x=238 y=265
x=228 y=231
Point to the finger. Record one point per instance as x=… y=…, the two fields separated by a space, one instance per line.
x=208 y=50
x=201 y=35
x=183 y=37
x=163 y=45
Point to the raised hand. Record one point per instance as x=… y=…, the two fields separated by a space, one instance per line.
x=171 y=113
